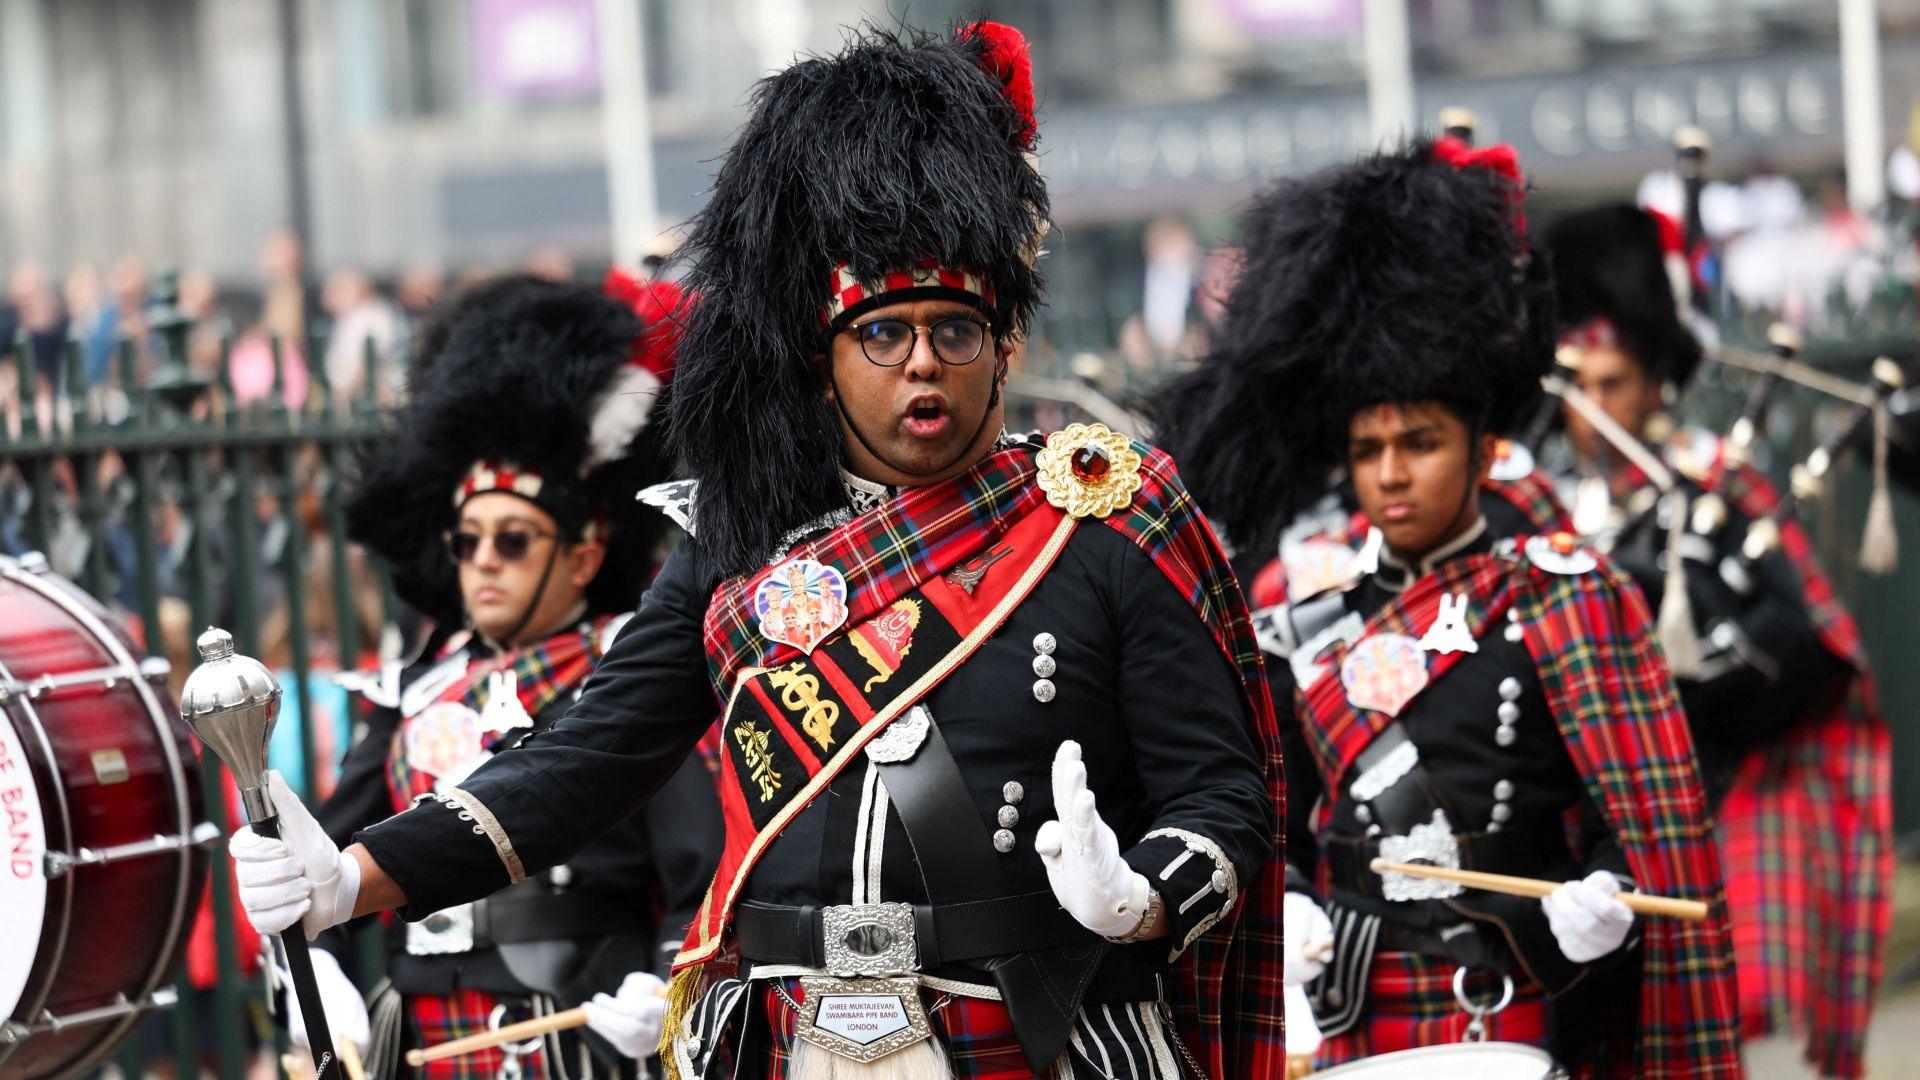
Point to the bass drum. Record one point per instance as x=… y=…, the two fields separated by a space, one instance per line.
x=104 y=844
x=1457 y=1061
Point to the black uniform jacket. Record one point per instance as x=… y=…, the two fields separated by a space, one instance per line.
x=1138 y=682
x=1509 y=796
x=657 y=862
x=1763 y=664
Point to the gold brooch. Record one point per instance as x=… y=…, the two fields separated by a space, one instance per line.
x=1088 y=470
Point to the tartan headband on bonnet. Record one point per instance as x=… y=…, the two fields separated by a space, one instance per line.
x=542 y=390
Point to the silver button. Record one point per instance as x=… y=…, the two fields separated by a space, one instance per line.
x=1044 y=666
x=1508 y=712
x=561 y=876
x=694 y=1042
x=1373 y=830
x=1504 y=736
x=1009 y=817
x=1219 y=881
x=1012 y=791
x=1335 y=996
x=1513 y=615
x=1509 y=689
x=1043 y=690
x=1493 y=826
x=1363 y=813
x=1043 y=643
x=1003 y=841
x=1514 y=634
x=1503 y=790
x=1502 y=813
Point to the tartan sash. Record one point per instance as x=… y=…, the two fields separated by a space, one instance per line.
x=1337 y=730
x=795 y=721
x=542 y=671
x=1612 y=698
x=1807 y=834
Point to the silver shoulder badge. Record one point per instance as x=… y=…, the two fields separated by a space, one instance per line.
x=674 y=499
x=1560 y=553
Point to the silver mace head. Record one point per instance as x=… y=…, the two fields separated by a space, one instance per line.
x=231 y=702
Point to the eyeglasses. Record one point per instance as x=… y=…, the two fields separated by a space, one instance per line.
x=511 y=545
x=956 y=341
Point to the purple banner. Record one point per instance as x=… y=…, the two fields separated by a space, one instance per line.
x=536 y=49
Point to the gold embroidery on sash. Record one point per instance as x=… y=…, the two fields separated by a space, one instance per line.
x=753 y=746
x=800 y=693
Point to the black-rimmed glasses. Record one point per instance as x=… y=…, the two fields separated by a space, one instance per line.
x=957 y=340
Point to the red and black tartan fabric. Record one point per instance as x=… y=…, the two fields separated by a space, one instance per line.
x=543 y=672
x=1607 y=685
x=1410 y=1003
x=1227 y=987
x=847 y=292
x=1533 y=495
x=1807 y=835
x=438 y=1018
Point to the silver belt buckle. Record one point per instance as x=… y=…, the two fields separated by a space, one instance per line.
x=869 y=939
x=449 y=930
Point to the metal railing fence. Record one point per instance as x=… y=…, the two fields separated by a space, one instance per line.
x=181 y=501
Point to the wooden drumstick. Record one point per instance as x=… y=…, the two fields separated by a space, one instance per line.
x=350 y=1058
x=487 y=1040
x=1639 y=903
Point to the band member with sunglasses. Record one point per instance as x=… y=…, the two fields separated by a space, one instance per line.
x=995 y=735
x=1467 y=699
x=504 y=501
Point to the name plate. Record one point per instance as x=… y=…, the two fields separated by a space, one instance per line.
x=862 y=1019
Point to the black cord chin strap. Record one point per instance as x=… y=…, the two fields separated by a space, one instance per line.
x=508 y=639
x=839 y=402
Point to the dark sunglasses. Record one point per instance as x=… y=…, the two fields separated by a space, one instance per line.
x=511 y=545
x=957 y=340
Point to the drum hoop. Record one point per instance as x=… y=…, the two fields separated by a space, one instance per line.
x=163 y=958
x=35 y=728
x=1447 y=1050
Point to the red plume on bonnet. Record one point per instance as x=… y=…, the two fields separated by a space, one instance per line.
x=661 y=306
x=1009 y=60
x=1501 y=158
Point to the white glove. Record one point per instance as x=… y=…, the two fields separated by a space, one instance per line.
x=631 y=1019
x=300 y=877
x=1307 y=938
x=346 y=1010
x=1586 y=919
x=1089 y=878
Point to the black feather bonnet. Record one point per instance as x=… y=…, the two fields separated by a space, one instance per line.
x=1404 y=276
x=901 y=151
x=532 y=387
x=1611 y=277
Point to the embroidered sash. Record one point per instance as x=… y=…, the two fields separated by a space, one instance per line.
x=793 y=723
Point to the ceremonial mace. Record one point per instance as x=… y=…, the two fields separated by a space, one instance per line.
x=231 y=702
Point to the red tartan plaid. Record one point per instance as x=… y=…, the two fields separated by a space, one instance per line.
x=977 y=1035
x=1227 y=988
x=542 y=671
x=1807 y=837
x=438 y=1018
x=491 y=475
x=1612 y=698
x=1410 y=1003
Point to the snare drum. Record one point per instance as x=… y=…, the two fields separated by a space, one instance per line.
x=104 y=844
x=1457 y=1061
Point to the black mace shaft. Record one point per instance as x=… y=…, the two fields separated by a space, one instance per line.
x=306 y=988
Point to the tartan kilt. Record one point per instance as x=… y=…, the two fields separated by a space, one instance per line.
x=436 y=1018
x=1410 y=1004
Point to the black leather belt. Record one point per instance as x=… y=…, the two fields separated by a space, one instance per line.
x=943 y=933
x=524 y=913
